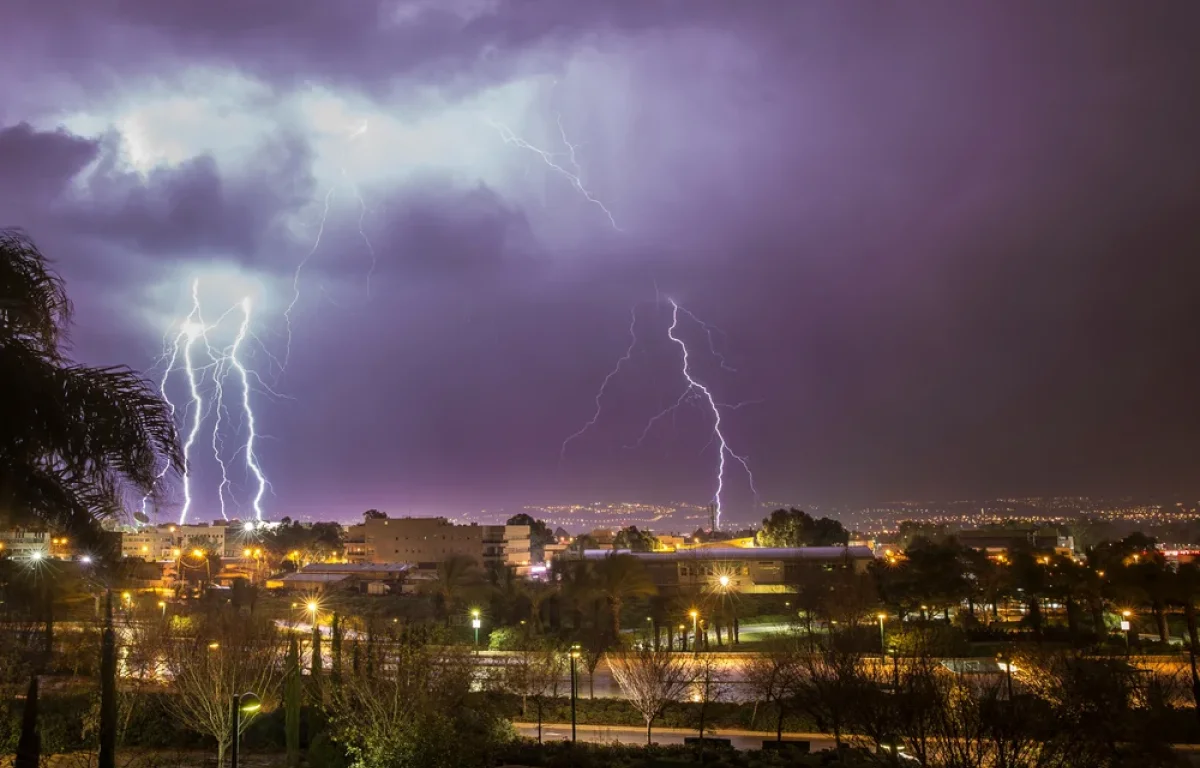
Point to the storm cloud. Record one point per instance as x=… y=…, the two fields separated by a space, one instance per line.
x=950 y=250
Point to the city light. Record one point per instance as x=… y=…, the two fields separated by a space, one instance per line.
x=723 y=580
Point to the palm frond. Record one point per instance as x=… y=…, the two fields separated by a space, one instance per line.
x=33 y=298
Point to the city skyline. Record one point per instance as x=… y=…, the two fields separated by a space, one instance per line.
x=911 y=263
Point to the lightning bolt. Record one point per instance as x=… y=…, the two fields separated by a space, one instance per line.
x=192 y=329
x=604 y=385
x=193 y=353
x=695 y=385
x=549 y=158
x=248 y=412
x=362 y=214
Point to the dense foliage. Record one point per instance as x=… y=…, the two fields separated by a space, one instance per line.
x=73 y=439
x=796 y=528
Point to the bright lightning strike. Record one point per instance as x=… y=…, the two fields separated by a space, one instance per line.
x=195 y=360
x=696 y=386
x=604 y=385
x=251 y=433
x=550 y=159
x=192 y=329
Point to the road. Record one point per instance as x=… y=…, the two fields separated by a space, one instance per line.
x=621 y=734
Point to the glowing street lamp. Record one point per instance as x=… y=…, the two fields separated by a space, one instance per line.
x=162 y=604
x=882 y=635
x=695 y=630
x=476 y=623
x=249 y=703
x=723 y=581
x=574 y=686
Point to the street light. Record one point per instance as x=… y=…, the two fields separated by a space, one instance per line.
x=242 y=702
x=695 y=631
x=723 y=581
x=476 y=623
x=1127 y=628
x=162 y=604
x=574 y=686
x=882 y=634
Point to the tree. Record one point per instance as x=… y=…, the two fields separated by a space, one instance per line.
x=710 y=684
x=335 y=647
x=533 y=673
x=651 y=679
x=457 y=576
x=413 y=711
x=374 y=514
x=539 y=535
x=619 y=578
x=634 y=540
x=796 y=528
x=29 y=745
x=771 y=676
x=222 y=658
x=291 y=703
x=107 y=757
x=73 y=439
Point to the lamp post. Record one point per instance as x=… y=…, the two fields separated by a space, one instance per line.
x=695 y=631
x=1127 y=629
x=882 y=633
x=574 y=685
x=242 y=702
x=163 y=605
x=475 y=624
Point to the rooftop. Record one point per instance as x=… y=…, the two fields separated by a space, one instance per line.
x=743 y=553
x=347 y=568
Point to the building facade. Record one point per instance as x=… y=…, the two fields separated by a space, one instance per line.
x=508 y=546
x=422 y=541
x=22 y=543
x=757 y=570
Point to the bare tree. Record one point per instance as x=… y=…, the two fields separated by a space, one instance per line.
x=219 y=660
x=828 y=682
x=771 y=676
x=533 y=673
x=710 y=683
x=651 y=679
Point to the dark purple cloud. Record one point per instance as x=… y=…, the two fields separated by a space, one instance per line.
x=953 y=248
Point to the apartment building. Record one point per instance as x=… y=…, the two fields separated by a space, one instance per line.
x=507 y=545
x=426 y=541
x=21 y=543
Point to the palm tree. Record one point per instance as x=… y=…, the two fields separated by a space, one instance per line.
x=619 y=578
x=537 y=593
x=75 y=441
x=457 y=575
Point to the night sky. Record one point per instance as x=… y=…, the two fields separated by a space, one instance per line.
x=951 y=249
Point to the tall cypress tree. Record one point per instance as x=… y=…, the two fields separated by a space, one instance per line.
x=108 y=690
x=29 y=748
x=316 y=655
x=291 y=703
x=335 y=648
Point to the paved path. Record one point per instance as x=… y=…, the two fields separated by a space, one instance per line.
x=628 y=734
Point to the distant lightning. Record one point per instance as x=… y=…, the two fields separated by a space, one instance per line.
x=312 y=251
x=549 y=158
x=712 y=344
x=604 y=384
x=694 y=392
x=695 y=386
